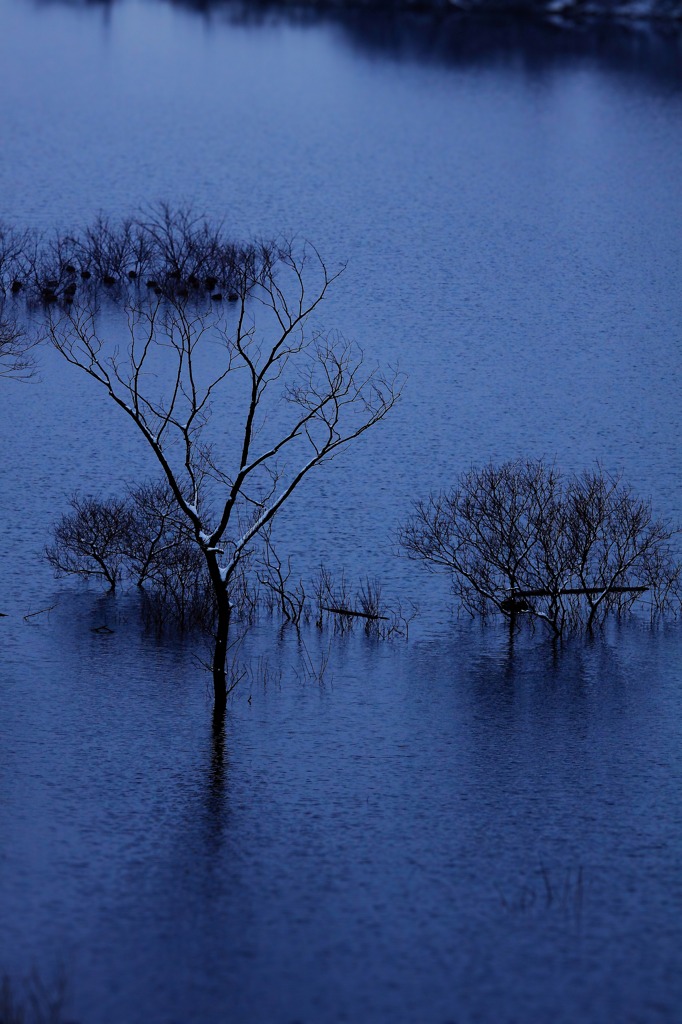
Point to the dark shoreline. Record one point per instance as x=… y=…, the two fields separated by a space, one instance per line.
x=561 y=14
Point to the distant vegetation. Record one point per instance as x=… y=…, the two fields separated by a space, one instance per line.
x=558 y=10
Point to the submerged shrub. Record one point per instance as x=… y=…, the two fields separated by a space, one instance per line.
x=167 y=250
x=92 y=540
x=141 y=540
x=521 y=539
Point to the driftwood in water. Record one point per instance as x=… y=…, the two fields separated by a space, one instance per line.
x=351 y=611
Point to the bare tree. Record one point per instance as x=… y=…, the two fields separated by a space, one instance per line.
x=520 y=539
x=297 y=396
x=16 y=359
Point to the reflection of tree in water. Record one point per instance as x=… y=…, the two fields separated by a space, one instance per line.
x=489 y=32
x=535 y=45
x=216 y=795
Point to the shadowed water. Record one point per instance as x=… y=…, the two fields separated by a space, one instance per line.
x=445 y=828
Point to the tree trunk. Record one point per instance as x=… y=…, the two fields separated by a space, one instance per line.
x=224 y=613
x=220 y=651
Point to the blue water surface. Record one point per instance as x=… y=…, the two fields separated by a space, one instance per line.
x=447 y=828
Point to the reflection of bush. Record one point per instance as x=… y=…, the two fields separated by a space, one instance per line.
x=521 y=539
x=34 y=1000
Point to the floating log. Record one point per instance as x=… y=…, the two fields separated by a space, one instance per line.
x=351 y=611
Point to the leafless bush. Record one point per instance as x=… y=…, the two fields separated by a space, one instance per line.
x=106 y=248
x=16 y=251
x=621 y=548
x=138 y=539
x=178 y=591
x=156 y=530
x=186 y=249
x=520 y=539
x=168 y=251
x=16 y=357
x=369 y=599
x=333 y=597
x=92 y=540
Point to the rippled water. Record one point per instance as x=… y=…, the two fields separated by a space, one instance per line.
x=445 y=829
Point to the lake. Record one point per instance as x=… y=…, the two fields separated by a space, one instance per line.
x=449 y=827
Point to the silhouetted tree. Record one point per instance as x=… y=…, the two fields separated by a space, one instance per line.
x=295 y=397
